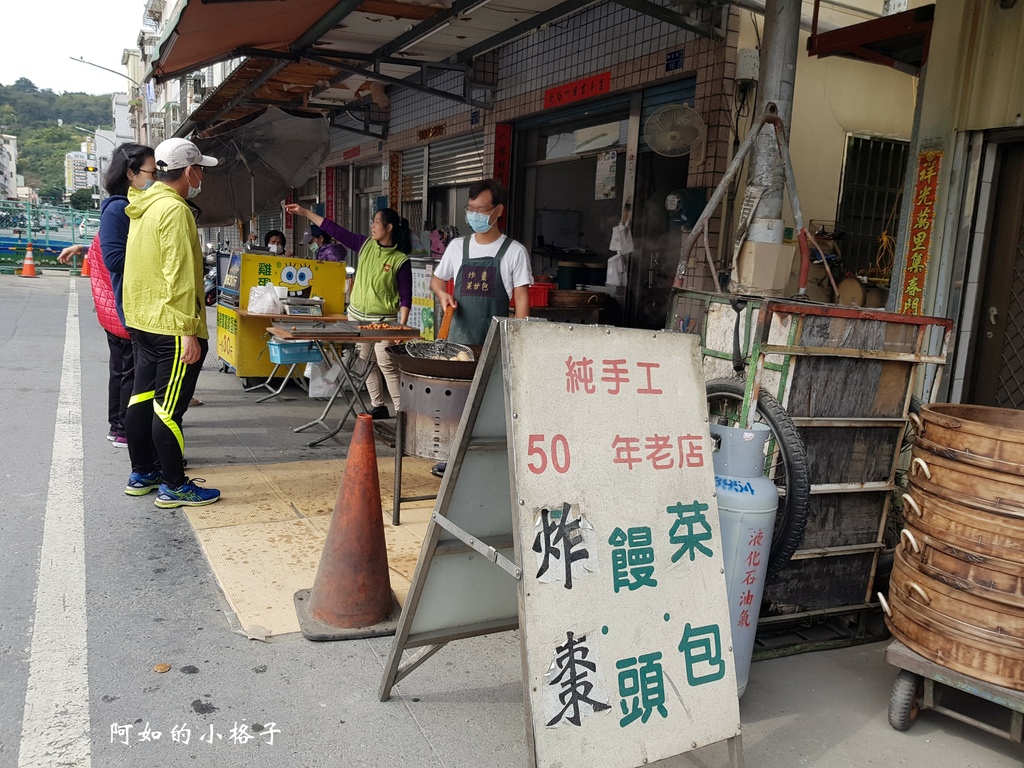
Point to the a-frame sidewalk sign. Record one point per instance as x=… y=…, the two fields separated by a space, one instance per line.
x=579 y=506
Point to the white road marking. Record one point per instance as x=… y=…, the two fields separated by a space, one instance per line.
x=55 y=730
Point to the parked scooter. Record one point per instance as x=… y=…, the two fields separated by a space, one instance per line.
x=210 y=274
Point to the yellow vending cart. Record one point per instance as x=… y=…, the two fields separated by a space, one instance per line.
x=242 y=337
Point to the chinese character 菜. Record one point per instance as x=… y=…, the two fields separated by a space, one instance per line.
x=690 y=529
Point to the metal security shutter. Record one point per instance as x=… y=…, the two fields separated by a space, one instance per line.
x=268 y=221
x=678 y=92
x=589 y=112
x=456 y=162
x=412 y=174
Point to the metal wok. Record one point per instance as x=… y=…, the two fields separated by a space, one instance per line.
x=437 y=369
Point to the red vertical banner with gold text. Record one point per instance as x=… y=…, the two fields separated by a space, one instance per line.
x=503 y=162
x=919 y=240
x=329 y=182
x=395 y=180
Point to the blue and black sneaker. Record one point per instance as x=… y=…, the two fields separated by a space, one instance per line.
x=188 y=495
x=141 y=483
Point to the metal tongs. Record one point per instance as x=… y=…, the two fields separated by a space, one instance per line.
x=441 y=348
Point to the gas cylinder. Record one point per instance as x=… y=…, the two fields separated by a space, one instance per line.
x=747 y=502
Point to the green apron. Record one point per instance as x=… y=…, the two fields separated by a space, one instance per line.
x=480 y=294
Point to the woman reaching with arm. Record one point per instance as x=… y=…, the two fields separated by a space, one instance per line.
x=381 y=289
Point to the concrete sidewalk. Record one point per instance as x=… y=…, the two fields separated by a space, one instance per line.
x=818 y=709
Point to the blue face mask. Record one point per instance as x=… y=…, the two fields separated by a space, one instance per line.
x=479 y=222
x=149 y=183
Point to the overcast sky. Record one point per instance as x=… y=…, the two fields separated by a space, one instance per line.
x=40 y=35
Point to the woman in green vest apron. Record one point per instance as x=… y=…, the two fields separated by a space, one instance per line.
x=381 y=289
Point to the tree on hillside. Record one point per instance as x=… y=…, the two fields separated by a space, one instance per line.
x=41 y=154
x=32 y=114
x=81 y=199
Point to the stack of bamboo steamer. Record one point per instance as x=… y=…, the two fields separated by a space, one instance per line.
x=956 y=595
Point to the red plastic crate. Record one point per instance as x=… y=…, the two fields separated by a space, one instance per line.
x=538 y=295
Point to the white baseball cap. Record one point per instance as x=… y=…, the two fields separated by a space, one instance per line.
x=180 y=153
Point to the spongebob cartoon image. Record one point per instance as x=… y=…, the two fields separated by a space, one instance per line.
x=298 y=280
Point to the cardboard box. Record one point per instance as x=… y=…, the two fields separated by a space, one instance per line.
x=763 y=269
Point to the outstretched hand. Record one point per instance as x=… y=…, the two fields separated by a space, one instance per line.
x=69 y=252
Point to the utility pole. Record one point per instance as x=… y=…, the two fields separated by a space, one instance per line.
x=777 y=76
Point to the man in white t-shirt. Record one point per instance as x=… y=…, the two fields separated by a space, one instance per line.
x=488 y=267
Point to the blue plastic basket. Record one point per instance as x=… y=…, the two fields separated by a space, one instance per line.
x=288 y=352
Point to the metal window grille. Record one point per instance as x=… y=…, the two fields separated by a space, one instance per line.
x=869 y=199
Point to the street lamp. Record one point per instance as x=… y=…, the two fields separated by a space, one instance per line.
x=144 y=135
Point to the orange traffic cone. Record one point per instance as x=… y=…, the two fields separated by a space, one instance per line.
x=85 y=266
x=351 y=595
x=28 y=267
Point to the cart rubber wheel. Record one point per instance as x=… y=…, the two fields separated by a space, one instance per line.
x=251 y=381
x=786 y=465
x=905 y=702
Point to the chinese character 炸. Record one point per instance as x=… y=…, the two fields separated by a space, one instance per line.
x=560 y=538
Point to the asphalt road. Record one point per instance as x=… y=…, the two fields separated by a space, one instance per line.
x=99 y=587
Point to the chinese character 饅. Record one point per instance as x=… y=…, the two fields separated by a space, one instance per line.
x=632 y=556
x=569 y=672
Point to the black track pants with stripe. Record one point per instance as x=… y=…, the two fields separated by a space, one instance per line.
x=163 y=388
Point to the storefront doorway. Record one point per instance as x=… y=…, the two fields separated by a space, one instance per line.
x=998 y=360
